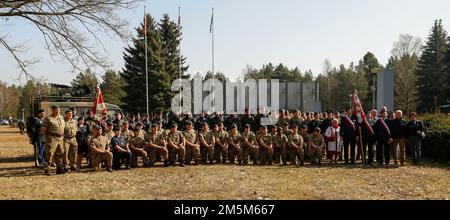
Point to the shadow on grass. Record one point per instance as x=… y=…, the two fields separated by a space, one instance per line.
x=19 y=159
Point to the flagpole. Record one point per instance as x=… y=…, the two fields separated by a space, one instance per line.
x=146 y=61
x=212 y=39
x=179 y=50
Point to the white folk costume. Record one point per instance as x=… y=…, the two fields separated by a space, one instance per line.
x=334 y=140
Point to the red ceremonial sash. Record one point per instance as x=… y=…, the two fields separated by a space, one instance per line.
x=386 y=128
x=350 y=122
x=366 y=123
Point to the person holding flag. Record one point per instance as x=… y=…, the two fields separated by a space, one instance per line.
x=363 y=129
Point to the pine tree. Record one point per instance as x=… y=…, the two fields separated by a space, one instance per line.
x=431 y=80
x=111 y=87
x=133 y=73
x=88 y=78
x=170 y=41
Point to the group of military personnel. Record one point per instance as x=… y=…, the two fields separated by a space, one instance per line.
x=205 y=139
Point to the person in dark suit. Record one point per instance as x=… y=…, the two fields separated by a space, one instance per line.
x=383 y=136
x=348 y=132
x=414 y=134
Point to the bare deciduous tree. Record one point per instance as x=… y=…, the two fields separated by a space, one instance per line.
x=70 y=28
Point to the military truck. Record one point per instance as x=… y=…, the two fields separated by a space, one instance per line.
x=79 y=100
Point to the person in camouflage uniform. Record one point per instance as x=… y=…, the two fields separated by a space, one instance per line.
x=53 y=129
x=296 y=146
x=248 y=119
x=264 y=140
x=220 y=149
x=316 y=123
x=126 y=133
x=99 y=150
x=70 y=141
x=207 y=143
x=175 y=145
x=109 y=133
x=316 y=146
x=192 y=146
x=306 y=139
x=157 y=145
x=249 y=146
x=296 y=119
x=282 y=119
x=234 y=145
x=138 y=149
x=280 y=142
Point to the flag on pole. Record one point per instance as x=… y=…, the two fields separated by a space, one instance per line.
x=211 y=26
x=145 y=25
x=358 y=111
x=99 y=104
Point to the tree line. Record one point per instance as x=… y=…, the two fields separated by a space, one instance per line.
x=422 y=74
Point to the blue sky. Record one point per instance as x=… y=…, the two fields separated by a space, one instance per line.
x=254 y=32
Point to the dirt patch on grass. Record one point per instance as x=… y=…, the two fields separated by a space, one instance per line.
x=20 y=180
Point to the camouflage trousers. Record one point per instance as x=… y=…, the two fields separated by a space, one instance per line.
x=98 y=158
x=265 y=155
x=176 y=154
x=220 y=153
x=136 y=154
x=296 y=152
x=207 y=154
x=70 y=151
x=234 y=153
x=192 y=152
x=54 y=147
x=315 y=154
x=279 y=152
x=152 y=153
x=253 y=152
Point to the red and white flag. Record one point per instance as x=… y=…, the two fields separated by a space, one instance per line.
x=99 y=104
x=358 y=111
x=145 y=25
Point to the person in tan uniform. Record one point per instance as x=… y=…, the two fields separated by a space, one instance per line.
x=207 y=142
x=175 y=145
x=53 y=129
x=296 y=146
x=265 y=144
x=126 y=133
x=157 y=146
x=316 y=146
x=100 y=151
x=234 y=145
x=280 y=141
x=138 y=149
x=192 y=146
x=220 y=149
x=70 y=141
x=249 y=146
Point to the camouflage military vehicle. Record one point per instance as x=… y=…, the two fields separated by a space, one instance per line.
x=79 y=100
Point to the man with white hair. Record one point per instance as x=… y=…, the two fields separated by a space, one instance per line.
x=399 y=135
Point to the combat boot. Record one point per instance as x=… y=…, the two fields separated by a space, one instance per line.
x=166 y=163
x=60 y=170
x=48 y=173
x=196 y=163
x=109 y=169
x=182 y=164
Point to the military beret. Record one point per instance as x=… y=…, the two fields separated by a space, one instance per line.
x=173 y=125
x=116 y=129
x=246 y=126
x=80 y=118
x=125 y=122
x=317 y=129
x=154 y=125
x=304 y=126
x=136 y=129
x=189 y=123
x=55 y=107
x=263 y=127
x=69 y=111
x=233 y=126
x=140 y=123
x=109 y=123
x=204 y=124
x=40 y=111
x=98 y=127
x=286 y=124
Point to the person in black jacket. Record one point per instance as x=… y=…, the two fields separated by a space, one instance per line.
x=399 y=135
x=384 y=139
x=414 y=135
x=348 y=132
